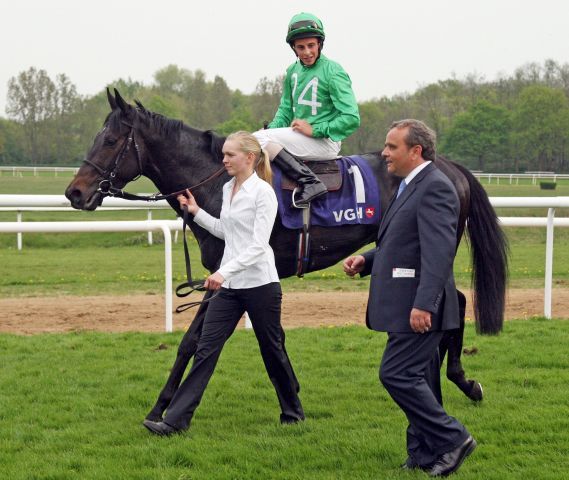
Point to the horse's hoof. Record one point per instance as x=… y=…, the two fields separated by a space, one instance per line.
x=476 y=393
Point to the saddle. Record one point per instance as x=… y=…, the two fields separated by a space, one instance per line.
x=327 y=171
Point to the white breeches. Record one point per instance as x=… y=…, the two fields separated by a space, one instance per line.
x=299 y=145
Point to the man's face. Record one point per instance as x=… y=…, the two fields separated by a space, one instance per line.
x=307 y=50
x=400 y=158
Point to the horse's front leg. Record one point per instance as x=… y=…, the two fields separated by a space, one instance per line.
x=186 y=351
x=452 y=343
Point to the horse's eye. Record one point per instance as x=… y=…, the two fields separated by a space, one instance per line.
x=109 y=142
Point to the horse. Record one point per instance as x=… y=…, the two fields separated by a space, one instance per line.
x=175 y=156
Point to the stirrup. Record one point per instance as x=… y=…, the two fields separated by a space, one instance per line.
x=295 y=205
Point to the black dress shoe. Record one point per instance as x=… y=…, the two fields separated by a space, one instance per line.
x=411 y=464
x=288 y=420
x=160 y=428
x=451 y=461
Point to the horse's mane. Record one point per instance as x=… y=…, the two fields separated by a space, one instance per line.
x=215 y=143
x=164 y=125
x=169 y=127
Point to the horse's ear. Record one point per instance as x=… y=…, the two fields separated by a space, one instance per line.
x=139 y=105
x=125 y=107
x=111 y=99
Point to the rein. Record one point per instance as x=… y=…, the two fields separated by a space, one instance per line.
x=191 y=284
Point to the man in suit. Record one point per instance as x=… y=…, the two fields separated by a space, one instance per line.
x=413 y=297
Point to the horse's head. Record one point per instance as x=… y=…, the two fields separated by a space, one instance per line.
x=113 y=160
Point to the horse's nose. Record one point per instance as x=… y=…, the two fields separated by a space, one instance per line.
x=75 y=196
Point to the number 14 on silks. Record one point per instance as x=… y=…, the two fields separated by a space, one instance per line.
x=302 y=100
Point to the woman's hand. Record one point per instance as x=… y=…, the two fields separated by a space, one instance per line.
x=214 y=281
x=189 y=201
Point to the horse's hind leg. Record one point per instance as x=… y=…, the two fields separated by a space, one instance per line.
x=452 y=341
x=186 y=351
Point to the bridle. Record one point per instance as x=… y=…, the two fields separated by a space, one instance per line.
x=107 y=189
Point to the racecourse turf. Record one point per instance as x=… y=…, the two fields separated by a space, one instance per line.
x=71 y=407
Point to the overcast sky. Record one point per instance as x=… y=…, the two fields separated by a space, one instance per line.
x=386 y=47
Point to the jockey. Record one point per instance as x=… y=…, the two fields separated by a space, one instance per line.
x=317 y=111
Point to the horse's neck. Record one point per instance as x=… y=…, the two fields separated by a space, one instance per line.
x=180 y=162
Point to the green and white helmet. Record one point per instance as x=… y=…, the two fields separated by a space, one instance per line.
x=304 y=25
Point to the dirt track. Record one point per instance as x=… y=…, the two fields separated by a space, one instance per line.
x=145 y=313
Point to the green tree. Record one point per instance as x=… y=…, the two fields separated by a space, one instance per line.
x=479 y=135
x=31 y=101
x=170 y=79
x=11 y=143
x=541 y=127
x=266 y=98
x=65 y=139
x=218 y=101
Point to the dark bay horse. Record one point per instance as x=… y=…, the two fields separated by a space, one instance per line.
x=135 y=141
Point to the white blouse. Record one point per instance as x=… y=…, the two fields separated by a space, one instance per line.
x=245 y=223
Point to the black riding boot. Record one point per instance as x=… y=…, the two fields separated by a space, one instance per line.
x=309 y=184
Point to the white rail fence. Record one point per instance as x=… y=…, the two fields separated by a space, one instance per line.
x=58 y=203
x=514 y=178
x=167 y=226
x=18 y=171
x=511 y=178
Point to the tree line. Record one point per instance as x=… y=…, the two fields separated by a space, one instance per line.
x=514 y=123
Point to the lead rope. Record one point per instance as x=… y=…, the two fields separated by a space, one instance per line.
x=191 y=284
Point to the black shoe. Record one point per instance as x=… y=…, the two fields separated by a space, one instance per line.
x=309 y=185
x=160 y=428
x=411 y=464
x=153 y=417
x=288 y=420
x=307 y=194
x=451 y=461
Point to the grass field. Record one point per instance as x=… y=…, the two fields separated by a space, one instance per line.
x=72 y=406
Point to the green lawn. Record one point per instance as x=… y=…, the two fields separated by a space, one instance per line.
x=72 y=406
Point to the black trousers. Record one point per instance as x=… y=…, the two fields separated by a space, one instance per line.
x=263 y=305
x=410 y=371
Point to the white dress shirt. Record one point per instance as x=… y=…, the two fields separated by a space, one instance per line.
x=245 y=223
x=415 y=172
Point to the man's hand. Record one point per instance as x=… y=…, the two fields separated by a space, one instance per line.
x=214 y=281
x=302 y=126
x=420 y=320
x=354 y=264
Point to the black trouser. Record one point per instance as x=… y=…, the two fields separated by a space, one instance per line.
x=410 y=372
x=263 y=305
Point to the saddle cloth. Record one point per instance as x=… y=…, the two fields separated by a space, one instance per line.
x=352 y=199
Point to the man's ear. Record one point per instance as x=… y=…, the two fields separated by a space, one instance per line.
x=418 y=150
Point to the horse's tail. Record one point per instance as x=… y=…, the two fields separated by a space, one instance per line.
x=489 y=251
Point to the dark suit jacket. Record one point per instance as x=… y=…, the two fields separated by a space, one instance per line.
x=412 y=264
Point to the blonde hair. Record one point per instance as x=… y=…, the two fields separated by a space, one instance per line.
x=248 y=143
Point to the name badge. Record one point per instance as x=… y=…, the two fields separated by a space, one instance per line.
x=403 y=273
